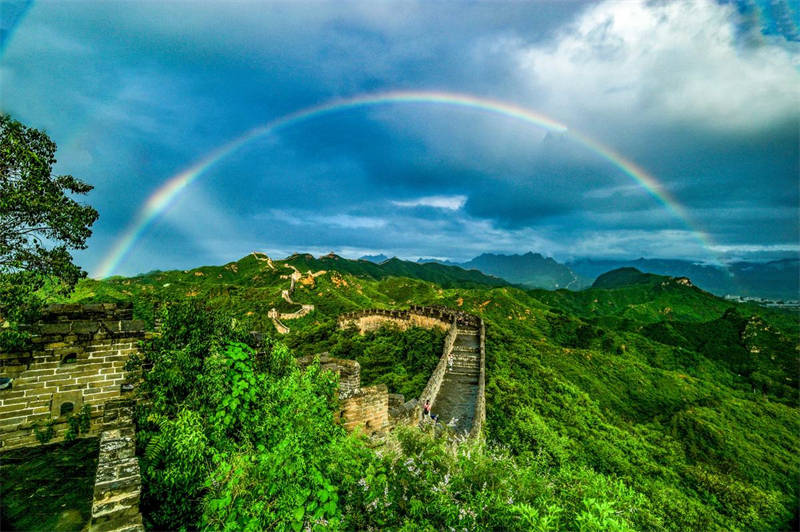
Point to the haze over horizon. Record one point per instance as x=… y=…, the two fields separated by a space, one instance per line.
x=704 y=97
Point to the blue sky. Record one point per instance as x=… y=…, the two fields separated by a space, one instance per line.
x=703 y=96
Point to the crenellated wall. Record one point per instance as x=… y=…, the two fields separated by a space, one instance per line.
x=429 y=317
x=305 y=310
x=367 y=409
x=77 y=359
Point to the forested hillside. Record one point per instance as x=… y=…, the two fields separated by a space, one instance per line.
x=643 y=403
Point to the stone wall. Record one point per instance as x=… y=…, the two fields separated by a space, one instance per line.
x=480 y=405
x=373 y=409
x=349 y=372
x=118 y=483
x=305 y=310
x=427 y=317
x=77 y=359
x=408 y=413
x=367 y=410
x=431 y=389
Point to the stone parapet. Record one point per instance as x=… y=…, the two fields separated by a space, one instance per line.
x=118 y=483
x=367 y=410
x=77 y=358
x=428 y=317
x=480 y=405
x=349 y=372
x=408 y=413
x=431 y=389
x=456 y=323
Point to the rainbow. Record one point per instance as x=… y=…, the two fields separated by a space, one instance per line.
x=166 y=195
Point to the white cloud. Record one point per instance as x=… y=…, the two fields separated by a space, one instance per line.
x=452 y=203
x=679 y=62
x=299 y=217
x=793 y=248
x=348 y=221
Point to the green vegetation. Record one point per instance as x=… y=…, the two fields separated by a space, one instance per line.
x=403 y=360
x=240 y=439
x=640 y=404
x=39 y=224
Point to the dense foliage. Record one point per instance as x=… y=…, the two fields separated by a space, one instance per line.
x=39 y=223
x=236 y=438
x=403 y=360
x=646 y=405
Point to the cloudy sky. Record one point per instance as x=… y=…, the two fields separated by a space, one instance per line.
x=704 y=97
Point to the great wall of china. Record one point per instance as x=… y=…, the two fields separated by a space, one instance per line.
x=278 y=317
x=78 y=358
x=456 y=388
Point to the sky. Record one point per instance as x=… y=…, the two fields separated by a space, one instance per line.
x=703 y=97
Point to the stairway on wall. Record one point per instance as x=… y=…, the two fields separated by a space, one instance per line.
x=455 y=403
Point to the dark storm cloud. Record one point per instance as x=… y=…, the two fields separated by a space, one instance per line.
x=136 y=92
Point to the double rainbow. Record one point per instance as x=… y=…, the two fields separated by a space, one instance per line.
x=166 y=195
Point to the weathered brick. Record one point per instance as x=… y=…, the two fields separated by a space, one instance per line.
x=44 y=364
x=54 y=328
x=132 y=325
x=55 y=345
x=71 y=350
x=10 y=393
x=39 y=373
x=85 y=327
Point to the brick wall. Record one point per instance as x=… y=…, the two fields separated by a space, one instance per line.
x=428 y=317
x=349 y=372
x=368 y=410
x=77 y=359
x=408 y=413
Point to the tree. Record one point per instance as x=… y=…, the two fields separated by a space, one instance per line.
x=39 y=223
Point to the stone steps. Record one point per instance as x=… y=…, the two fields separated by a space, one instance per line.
x=455 y=403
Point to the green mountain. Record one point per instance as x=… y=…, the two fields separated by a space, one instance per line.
x=778 y=279
x=530 y=270
x=623 y=277
x=642 y=402
x=628 y=294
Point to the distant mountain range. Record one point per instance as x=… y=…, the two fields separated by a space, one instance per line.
x=442 y=274
x=779 y=279
x=530 y=270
